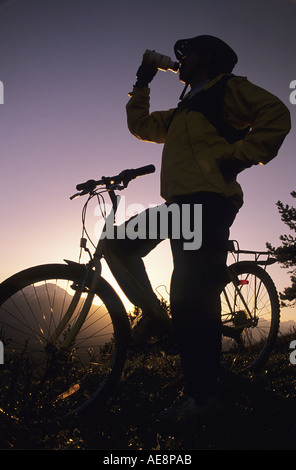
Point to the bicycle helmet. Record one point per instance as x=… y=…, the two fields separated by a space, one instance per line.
x=222 y=57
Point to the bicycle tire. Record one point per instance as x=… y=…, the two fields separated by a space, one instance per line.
x=246 y=345
x=38 y=381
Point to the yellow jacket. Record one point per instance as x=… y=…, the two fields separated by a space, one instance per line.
x=194 y=150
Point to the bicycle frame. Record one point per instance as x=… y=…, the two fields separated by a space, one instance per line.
x=94 y=268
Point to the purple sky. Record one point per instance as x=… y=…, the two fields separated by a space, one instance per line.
x=67 y=67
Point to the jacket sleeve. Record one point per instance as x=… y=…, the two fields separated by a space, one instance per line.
x=267 y=116
x=150 y=127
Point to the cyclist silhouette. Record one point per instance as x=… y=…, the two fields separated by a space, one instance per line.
x=224 y=125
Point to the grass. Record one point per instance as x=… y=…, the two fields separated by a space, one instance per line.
x=259 y=412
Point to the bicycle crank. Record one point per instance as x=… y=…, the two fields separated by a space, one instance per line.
x=241 y=320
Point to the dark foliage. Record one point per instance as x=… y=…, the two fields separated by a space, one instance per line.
x=286 y=253
x=259 y=412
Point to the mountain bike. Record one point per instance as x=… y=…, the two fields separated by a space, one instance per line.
x=66 y=332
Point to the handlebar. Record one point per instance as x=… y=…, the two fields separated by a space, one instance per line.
x=114 y=182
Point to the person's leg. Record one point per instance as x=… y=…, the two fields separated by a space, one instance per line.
x=196 y=285
x=125 y=254
x=121 y=254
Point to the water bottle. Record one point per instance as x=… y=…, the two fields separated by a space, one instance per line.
x=162 y=62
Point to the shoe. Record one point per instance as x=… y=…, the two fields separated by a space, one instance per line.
x=153 y=321
x=144 y=328
x=187 y=410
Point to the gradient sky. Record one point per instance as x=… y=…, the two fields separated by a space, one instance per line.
x=67 y=67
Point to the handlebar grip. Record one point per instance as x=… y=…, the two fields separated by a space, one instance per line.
x=125 y=176
x=90 y=184
x=143 y=170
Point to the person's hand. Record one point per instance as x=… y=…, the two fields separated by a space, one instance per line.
x=145 y=75
x=231 y=168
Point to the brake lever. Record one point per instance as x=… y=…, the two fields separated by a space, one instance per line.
x=111 y=184
x=78 y=194
x=109 y=187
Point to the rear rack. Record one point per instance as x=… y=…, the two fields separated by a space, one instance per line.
x=233 y=247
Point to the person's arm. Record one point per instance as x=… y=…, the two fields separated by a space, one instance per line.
x=143 y=125
x=150 y=127
x=268 y=118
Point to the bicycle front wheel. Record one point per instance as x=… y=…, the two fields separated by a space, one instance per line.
x=41 y=379
x=250 y=317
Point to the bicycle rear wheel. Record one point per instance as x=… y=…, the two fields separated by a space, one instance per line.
x=248 y=340
x=40 y=380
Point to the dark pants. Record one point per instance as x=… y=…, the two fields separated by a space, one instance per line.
x=196 y=285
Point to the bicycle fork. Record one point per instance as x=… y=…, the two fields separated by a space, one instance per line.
x=80 y=289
